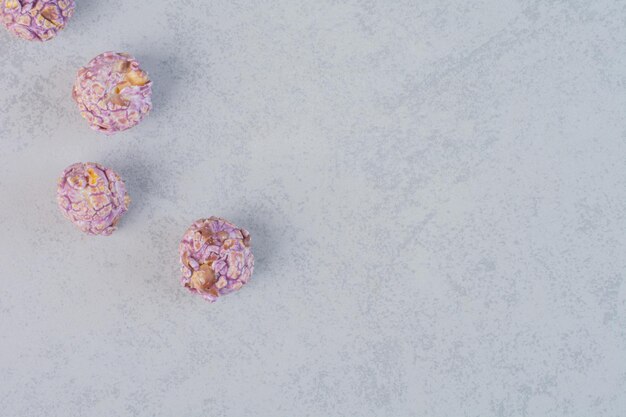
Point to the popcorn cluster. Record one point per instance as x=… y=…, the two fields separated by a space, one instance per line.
x=38 y=20
x=93 y=197
x=216 y=258
x=113 y=93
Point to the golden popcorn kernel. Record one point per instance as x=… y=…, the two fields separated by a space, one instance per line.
x=12 y=4
x=137 y=78
x=51 y=14
x=77 y=181
x=93 y=176
x=122 y=66
x=118 y=88
x=203 y=279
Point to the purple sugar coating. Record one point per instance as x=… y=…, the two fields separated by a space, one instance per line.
x=113 y=93
x=93 y=197
x=36 y=20
x=216 y=258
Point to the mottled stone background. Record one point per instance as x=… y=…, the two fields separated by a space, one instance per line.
x=435 y=189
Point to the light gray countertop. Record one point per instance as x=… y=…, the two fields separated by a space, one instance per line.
x=435 y=190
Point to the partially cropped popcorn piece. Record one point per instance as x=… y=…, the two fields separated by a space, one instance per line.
x=36 y=20
x=113 y=93
x=216 y=258
x=92 y=197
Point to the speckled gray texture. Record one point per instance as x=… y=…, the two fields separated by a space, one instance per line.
x=436 y=193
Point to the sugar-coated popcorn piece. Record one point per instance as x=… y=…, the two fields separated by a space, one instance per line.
x=216 y=258
x=92 y=197
x=113 y=93
x=36 y=20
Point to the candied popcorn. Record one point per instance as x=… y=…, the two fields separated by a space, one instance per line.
x=113 y=93
x=36 y=20
x=216 y=258
x=93 y=197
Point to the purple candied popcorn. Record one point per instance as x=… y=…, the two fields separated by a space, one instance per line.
x=36 y=20
x=112 y=92
x=93 y=197
x=216 y=258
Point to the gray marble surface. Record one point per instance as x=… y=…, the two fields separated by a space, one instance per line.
x=435 y=189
